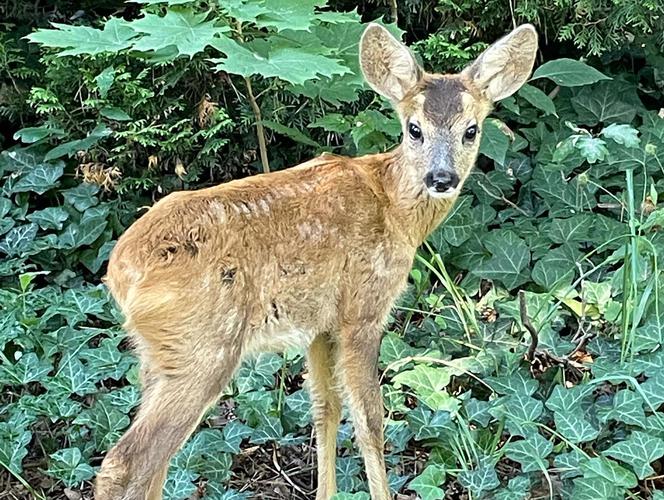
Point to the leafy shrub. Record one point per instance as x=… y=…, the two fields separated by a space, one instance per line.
x=558 y=231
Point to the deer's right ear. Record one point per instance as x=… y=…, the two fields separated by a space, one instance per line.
x=388 y=66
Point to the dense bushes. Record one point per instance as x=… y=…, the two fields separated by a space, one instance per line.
x=120 y=105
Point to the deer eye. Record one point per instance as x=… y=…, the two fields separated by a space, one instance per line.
x=470 y=134
x=414 y=132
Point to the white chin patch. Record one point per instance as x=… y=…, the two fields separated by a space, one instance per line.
x=442 y=195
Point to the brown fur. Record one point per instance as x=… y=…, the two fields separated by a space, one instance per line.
x=313 y=256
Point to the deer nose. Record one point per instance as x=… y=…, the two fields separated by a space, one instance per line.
x=442 y=180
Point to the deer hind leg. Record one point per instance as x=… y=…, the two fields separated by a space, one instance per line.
x=326 y=412
x=358 y=371
x=135 y=469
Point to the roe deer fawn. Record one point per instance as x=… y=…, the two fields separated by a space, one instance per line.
x=313 y=256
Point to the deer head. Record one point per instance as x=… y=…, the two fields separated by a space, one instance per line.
x=442 y=115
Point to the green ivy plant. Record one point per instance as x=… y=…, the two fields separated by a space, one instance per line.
x=525 y=359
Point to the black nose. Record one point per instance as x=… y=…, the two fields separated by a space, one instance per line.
x=442 y=180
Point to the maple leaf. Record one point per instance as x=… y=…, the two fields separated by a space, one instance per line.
x=189 y=33
x=116 y=35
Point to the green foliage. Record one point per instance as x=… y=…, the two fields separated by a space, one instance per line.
x=565 y=205
x=594 y=27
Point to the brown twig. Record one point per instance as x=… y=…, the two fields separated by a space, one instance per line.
x=554 y=92
x=283 y=474
x=502 y=198
x=525 y=320
x=394 y=11
x=260 y=131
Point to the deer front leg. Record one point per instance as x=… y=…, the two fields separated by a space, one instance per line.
x=358 y=371
x=326 y=411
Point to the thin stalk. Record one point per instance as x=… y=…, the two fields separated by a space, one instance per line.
x=260 y=130
x=630 y=276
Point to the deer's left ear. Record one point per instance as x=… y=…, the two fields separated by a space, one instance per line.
x=506 y=65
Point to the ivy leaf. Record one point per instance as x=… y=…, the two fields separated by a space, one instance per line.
x=77 y=235
x=39 y=179
x=72 y=377
x=269 y=429
x=516 y=383
x=509 y=259
x=179 y=484
x=569 y=463
x=538 y=99
x=572 y=229
x=549 y=183
x=14 y=449
x=106 y=423
x=27 y=369
x=427 y=484
x=298 y=406
x=258 y=372
x=607 y=102
x=216 y=467
x=393 y=348
x=234 y=432
x=424 y=378
x=518 y=488
x=595 y=488
x=494 y=143
x=49 y=218
x=427 y=383
x=397 y=434
x=608 y=470
x=19 y=239
x=107 y=360
x=360 y=495
x=427 y=424
x=69 y=466
x=556 y=268
x=459 y=226
x=479 y=480
x=529 y=452
x=627 y=408
x=82 y=196
x=290 y=64
x=93 y=259
x=653 y=388
x=569 y=73
x=574 y=427
x=622 y=134
x=638 y=451
x=189 y=33
x=478 y=411
x=567 y=400
x=521 y=413
x=115 y=36
x=592 y=149
x=348 y=469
